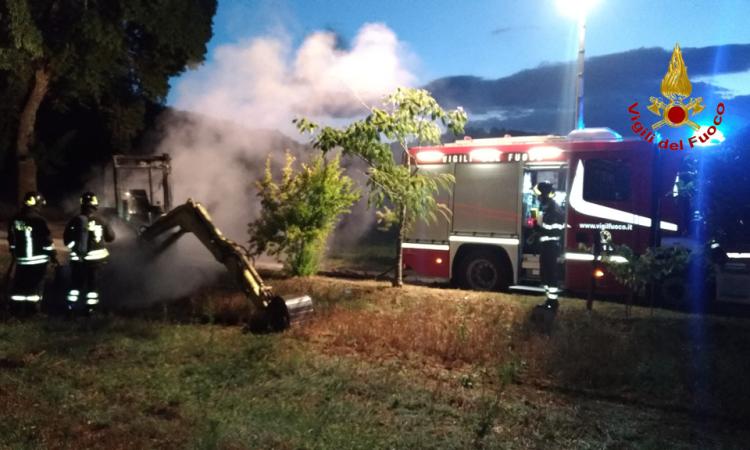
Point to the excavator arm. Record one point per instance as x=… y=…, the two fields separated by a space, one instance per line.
x=272 y=312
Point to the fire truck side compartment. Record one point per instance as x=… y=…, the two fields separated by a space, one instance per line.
x=486 y=199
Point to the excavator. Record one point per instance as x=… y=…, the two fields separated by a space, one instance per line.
x=160 y=226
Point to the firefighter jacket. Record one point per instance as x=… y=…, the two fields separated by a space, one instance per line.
x=85 y=236
x=552 y=225
x=29 y=238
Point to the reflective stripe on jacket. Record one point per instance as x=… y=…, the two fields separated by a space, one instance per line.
x=85 y=236
x=29 y=238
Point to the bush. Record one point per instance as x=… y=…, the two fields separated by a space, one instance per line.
x=299 y=212
x=654 y=266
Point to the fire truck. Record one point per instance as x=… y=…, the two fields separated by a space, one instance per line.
x=602 y=182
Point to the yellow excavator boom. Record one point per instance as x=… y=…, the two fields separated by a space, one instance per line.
x=272 y=312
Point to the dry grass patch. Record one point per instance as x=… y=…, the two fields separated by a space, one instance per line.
x=446 y=326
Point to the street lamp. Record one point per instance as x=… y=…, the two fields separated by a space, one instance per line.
x=577 y=9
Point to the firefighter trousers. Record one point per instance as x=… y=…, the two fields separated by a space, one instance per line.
x=28 y=283
x=84 y=288
x=549 y=253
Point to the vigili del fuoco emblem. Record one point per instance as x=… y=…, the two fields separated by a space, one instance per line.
x=676 y=88
x=676 y=109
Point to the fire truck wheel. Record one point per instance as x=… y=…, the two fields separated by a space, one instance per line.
x=482 y=270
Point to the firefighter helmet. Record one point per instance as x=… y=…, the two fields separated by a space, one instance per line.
x=89 y=200
x=34 y=199
x=544 y=189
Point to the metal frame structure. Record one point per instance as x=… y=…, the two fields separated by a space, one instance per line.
x=162 y=163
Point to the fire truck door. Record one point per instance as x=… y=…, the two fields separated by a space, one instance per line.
x=529 y=245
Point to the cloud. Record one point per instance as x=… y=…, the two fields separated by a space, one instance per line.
x=503 y=30
x=733 y=84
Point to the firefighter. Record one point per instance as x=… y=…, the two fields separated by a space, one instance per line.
x=85 y=236
x=550 y=226
x=32 y=249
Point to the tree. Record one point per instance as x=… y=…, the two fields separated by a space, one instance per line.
x=300 y=212
x=113 y=54
x=715 y=183
x=409 y=117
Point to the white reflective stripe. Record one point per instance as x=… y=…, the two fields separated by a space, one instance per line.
x=418 y=246
x=97 y=254
x=484 y=240
x=92 y=301
x=18 y=298
x=553 y=226
x=12 y=246
x=74 y=257
x=49 y=247
x=74 y=292
x=29 y=242
x=552 y=296
x=72 y=298
x=33 y=298
x=617 y=259
x=92 y=295
x=549 y=238
x=33 y=258
x=738 y=255
x=71 y=244
x=579 y=256
x=605 y=212
x=553 y=289
x=32 y=261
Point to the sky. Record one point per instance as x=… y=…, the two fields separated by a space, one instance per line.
x=492 y=38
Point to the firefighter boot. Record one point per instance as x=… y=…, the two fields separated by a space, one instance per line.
x=551 y=303
x=92 y=303
x=71 y=303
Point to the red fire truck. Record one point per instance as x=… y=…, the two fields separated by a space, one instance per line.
x=602 y=181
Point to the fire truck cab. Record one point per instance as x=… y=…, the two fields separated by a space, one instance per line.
x=602 y=182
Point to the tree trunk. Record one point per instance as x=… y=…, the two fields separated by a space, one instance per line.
x=26 y=127
x=398 y=277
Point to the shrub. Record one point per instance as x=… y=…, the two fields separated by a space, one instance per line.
x=299 y=212
x=653 y=266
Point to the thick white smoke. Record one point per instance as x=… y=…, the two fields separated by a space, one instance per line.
x=238 y=108
x=263 y=84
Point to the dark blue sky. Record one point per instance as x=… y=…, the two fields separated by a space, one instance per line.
x=495 y=38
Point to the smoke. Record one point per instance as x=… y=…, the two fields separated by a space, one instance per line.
x=264 y=83
x=238 y=108
x=243 y=101
x=137 y=276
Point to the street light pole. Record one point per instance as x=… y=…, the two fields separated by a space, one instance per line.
x=578 y=9
x=578 y=119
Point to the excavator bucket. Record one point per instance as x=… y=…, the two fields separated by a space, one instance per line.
x=280 y=314
x=300 y=308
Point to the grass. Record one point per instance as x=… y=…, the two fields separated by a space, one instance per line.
x=378 y=367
